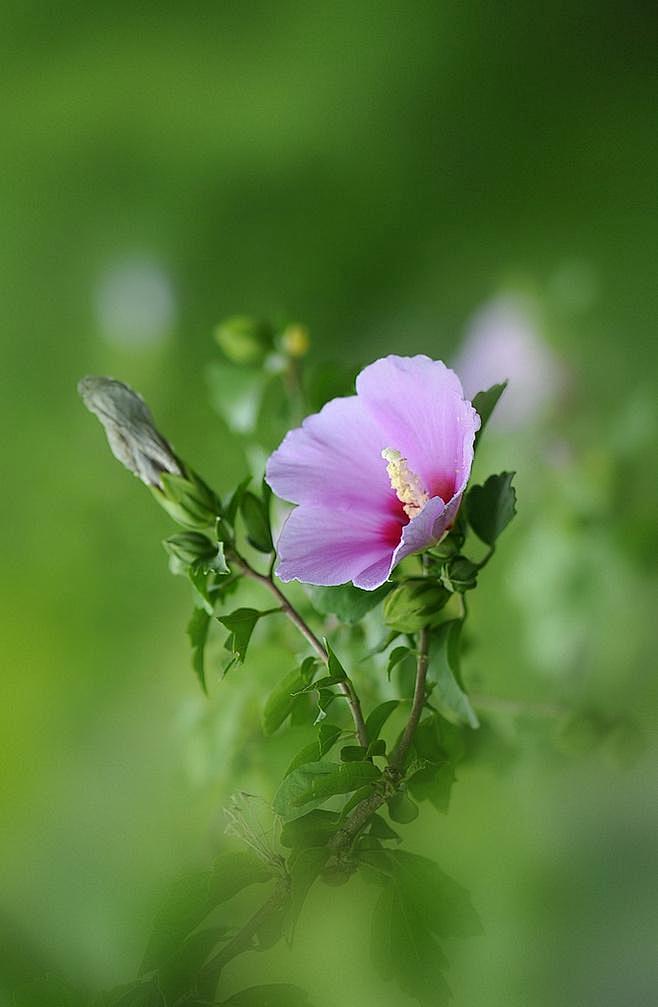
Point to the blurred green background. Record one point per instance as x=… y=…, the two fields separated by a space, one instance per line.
x=384 y=173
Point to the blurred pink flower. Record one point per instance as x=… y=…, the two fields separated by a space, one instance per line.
x=503 y=341
x=376 y=476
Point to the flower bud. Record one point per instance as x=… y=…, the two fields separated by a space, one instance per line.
x=459 y=574
x=244 y=340
x=295 y=340
x=413 y=605
x=130 y=430
x=190 y=547
x=138 y=445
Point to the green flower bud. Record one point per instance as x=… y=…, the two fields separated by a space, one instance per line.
x=459 y=574
x=190 y=546
x=415 y=604
x=244 y=340
x=188 y=500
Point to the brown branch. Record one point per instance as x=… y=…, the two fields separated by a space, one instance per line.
x=346 y=687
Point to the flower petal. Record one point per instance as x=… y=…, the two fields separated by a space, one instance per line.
x=324 y=546
x=426 y=528
x=419 y=404
x=334 y=460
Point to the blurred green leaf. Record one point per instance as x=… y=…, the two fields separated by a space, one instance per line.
x=447 y=695
x=491 y=507
x=348 y=603
x=245 y=340
x=401 y=808
x=459 y=574
x=311 y=785
x=50 y=991
x=484 y=404
x=141 y=993
x=313 y=829
x=191 y=898
x=270 y=995
x=197 y=631
x=380 y=828
x=433 y=784
x=255 y=516
x=353 y=753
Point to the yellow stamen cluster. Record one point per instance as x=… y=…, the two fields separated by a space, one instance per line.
x=407 y=485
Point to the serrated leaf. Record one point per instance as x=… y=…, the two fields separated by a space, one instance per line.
x=348 y=603
x=378 y=717
x=311 y=785
x=491 y=507
x=484 y=404
x=197 y=631
x=447 y=695
x=255 y=516
x=270 y=995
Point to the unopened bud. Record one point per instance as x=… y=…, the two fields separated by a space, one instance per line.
x=138 y=445
x=130 y=430
x=245 y=340
x=295 y=340
x=413 y=605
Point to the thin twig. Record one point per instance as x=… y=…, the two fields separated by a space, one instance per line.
x=396 y=761
x=346 y=687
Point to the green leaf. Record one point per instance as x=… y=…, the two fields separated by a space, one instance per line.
x=311 y=785
x=396 y=657
x=415 y=604
x=240 y=625
x=419 y=906
x=281 y=700
x=313 y=829
x=378 y=717
x=491 y=507
x=353 y=753
x=447 y=695
x=304 y=867
x=141 y=993
x=191 y=898
x=49 y=991
x=328 y=735
x=348 y=603
x=433 y=784
x=402 y=809
x=233 y=505
x=270 y=995
x=484 y=404
x=197 y=630
x=255 y=516
x=336 y=669
x=380 y=828
x=404 y=950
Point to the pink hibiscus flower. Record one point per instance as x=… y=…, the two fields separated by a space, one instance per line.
x=376 y=476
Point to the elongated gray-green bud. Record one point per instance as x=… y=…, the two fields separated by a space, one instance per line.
x=140 y=447
x=131 y=432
